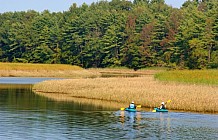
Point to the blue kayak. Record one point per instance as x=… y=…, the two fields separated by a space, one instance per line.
x=130 y=109
x=160 y=110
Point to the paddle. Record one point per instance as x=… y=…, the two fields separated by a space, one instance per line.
x=165 y=103
x=136 y=106
x=122 y=108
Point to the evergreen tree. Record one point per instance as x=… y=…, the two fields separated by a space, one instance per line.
x=137 y=34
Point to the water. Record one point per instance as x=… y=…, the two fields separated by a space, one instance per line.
x=25 y=115
x=22 y=80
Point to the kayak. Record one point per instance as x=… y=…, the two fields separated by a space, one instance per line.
x=160 y=110
x=130 y=109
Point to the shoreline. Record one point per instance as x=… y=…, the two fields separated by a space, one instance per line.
x=143 y=90
x=108 y=104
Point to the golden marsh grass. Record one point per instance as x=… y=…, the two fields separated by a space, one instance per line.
x=29 y=66
x=143 y=90
x=123 y=72
x=44 y=70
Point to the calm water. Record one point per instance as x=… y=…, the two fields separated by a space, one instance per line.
x=25 y=115
x=22 y=80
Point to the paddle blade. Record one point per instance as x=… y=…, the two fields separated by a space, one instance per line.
x=122 y=108
x=168 y=101
x=139 y=106
x=153 y=110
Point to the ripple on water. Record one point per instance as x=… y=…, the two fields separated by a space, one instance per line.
x=29 y=116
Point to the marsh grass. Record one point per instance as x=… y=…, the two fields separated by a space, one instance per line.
x=44 y=70
x=143 y=90
x=29 y=66
x=124 y=72
x=199 y=96
x=208 y=77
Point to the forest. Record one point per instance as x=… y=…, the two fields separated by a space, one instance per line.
x=116 y=33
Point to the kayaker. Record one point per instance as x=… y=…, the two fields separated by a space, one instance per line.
x=132 y=105
x=163 y=106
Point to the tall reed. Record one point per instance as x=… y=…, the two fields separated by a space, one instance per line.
x=30 y=66
x=44 y=70
x=143 y=90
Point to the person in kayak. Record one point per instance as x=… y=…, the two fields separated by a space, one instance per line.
x=132 y=105
x=163 y=106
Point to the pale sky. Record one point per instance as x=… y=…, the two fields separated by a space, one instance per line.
x=54 y=5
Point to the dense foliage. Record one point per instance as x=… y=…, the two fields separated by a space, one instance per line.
x=138 y=34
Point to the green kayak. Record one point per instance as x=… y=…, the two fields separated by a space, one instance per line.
x=130 y=109
x=160 y=110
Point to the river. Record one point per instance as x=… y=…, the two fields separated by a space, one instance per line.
x=25 y=115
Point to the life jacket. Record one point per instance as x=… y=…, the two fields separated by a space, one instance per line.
x=163 y=106
x=132 y=106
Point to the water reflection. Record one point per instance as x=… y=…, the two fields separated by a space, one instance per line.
x=145 y=125
x=25 y=115
x=149 y=125
x=130 y=122
x=130 y=117
x=164 y=125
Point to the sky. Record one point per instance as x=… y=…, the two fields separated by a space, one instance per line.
x=54 y=5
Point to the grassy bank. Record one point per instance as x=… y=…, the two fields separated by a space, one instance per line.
x=208 y=77
x=143 y=90
x=44 y=70
x=126 y=85
x=124 y=72
x=29 y=66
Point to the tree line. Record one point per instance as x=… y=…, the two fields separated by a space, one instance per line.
x=138 y=34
